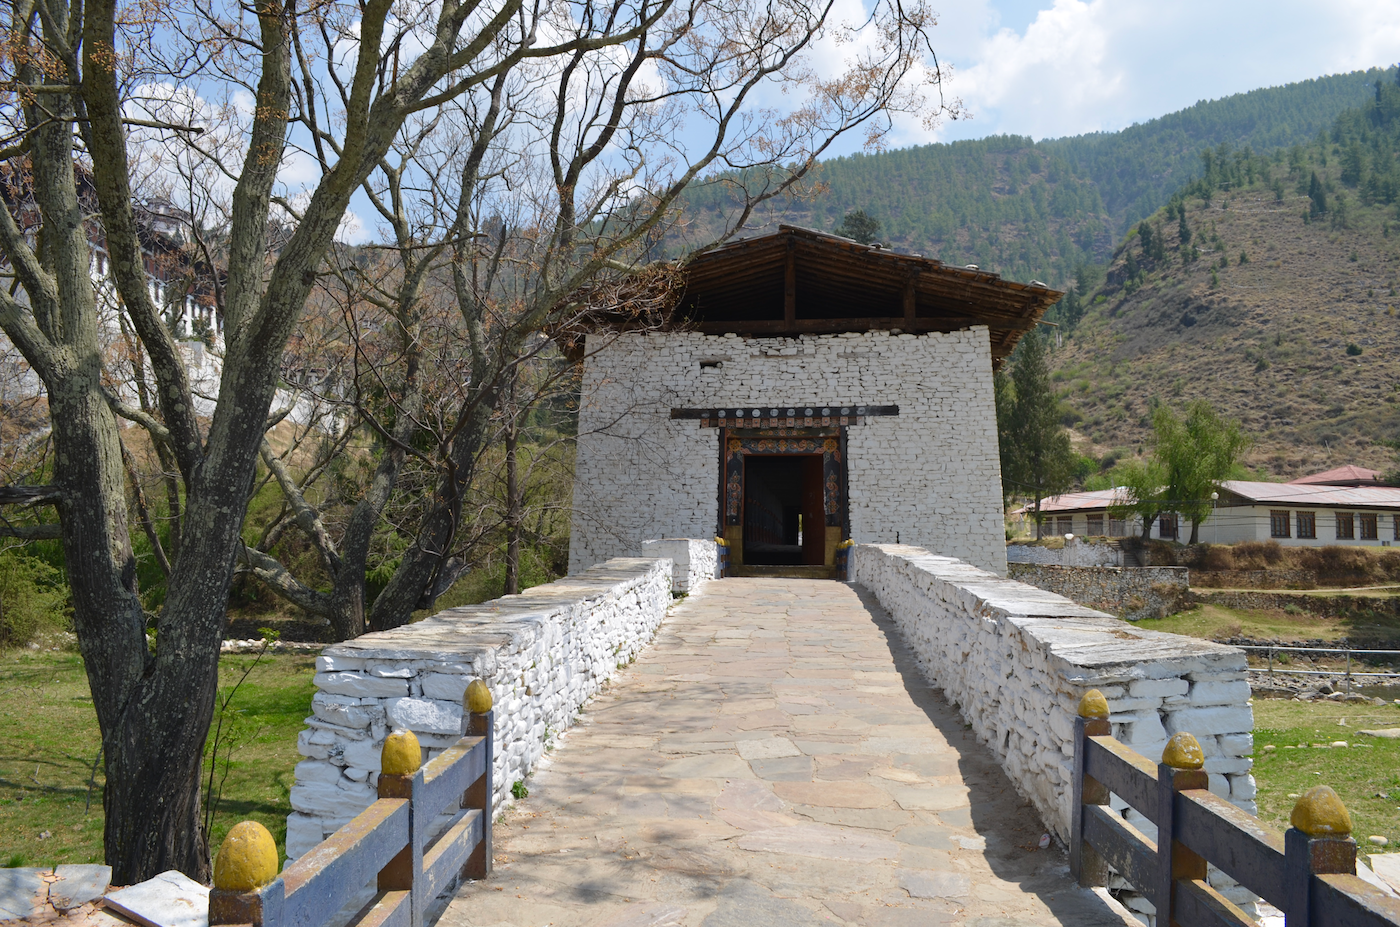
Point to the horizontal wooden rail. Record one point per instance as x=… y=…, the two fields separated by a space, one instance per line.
x=1309 y=872
x=390 y=847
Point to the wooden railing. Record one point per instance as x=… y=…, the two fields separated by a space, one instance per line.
x=398 y=845
x=1309 y=872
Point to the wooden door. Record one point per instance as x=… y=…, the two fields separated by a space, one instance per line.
x=813 y=512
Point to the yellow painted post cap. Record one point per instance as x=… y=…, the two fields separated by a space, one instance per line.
x=1320 y=813
x=1184 y=752
x=247 y=859
x=477 y=698
x=401 y=755
x=1093 y=705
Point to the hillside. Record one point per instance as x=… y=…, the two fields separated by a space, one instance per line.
x=1280 y=307
x=1040 y=210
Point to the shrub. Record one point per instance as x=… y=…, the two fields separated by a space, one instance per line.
x=1353 y=349
x=33 y=598
x=1257 y=555
x=1215 y=557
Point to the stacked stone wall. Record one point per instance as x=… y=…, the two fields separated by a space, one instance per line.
x=1132 y=593
x=1017 y=659
x=1077 y=552
x=693 y=562
x=930 y=475
x=542 y=654
x=1254 y=579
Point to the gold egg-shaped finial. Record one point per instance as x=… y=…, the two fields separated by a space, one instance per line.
x=1320 y=813
x=1184 y=752
x=401 y=755
x=477 y=697
x=247 y=859
x=1093 y=705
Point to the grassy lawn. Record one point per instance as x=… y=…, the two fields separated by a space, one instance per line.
x=49 y=741
x=1212 y=622
x=1366 y=777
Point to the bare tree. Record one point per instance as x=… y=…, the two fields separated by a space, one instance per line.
x=544 y=193
x=597 y=101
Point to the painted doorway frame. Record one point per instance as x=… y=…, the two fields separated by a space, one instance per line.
x=829 y=441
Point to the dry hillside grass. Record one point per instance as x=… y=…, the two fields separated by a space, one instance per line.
x=1266 y=344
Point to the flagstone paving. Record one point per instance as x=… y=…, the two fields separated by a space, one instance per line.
x=773 y=758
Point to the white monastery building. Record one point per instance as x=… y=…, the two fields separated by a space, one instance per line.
x=1349 y=506
x=808 y=390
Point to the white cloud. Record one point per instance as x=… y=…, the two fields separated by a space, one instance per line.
x=1087 y=65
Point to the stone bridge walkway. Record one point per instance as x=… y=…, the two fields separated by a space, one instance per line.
x=773 y=758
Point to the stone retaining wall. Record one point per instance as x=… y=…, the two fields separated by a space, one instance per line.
x=1077 y=552
x=1131 y=593
x=1256 y=579
x=542 y=653
x=1016 y=660
x=693 y=562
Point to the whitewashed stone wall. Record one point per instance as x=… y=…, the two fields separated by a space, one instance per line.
x=1017 y=659
x=1078 y=552
x=930 y=476
x=542 y=653
x=693 y=562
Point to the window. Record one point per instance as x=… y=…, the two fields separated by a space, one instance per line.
x=1307 y=524
x=1064 y=524
x=1278 y=524
x=1368 y=527
x=1116 y=528
x=1096 y=526
x=1166 y=526
x=1397 y=526
x=1345 y=526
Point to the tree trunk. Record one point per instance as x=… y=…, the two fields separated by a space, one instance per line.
x=1039 y=524
x=512 y=507
x=1195 y=530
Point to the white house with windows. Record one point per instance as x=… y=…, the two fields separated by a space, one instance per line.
x=1345 y=506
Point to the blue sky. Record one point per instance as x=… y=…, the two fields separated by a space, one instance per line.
x=1051 y=69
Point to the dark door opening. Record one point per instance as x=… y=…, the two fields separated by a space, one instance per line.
x=784 y=515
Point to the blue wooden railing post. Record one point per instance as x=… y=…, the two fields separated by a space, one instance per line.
x=1085 y=864
x=479 y=720
x=1318 y=843
x=401 y=776
x=1182 y=769
x=247 y=889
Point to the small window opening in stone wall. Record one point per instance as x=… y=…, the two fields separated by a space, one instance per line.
x=710 y=364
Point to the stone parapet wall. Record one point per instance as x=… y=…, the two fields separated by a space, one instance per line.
x=1077 y=552
x=693 y=562
x=1132 y=593
x=542 y=654
x=1016 y=659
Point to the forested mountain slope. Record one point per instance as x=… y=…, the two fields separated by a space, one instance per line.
x=1269 y=287
x=1040 y=210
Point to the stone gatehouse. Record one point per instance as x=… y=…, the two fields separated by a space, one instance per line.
x=808 y=390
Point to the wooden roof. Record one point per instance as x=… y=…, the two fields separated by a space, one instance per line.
x=801 y=281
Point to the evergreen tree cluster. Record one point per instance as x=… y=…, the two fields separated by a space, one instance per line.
x=1043 y=210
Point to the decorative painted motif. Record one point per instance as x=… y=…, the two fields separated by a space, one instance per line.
x=742 y=442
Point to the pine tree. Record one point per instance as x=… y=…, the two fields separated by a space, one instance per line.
x=1039 y=458
x=1318 y=195
x=858 y=225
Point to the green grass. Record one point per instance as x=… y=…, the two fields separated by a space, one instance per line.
x=49 y=741
x=1213 y=622
x=1366 y=777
